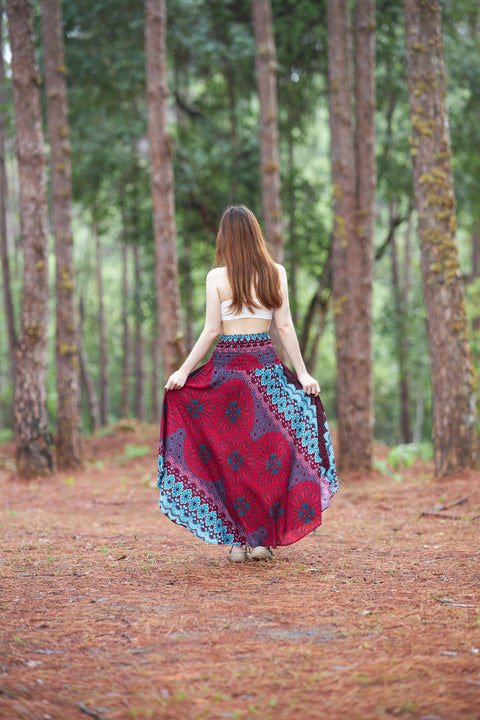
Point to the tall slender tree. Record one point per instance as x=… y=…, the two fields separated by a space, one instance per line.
x=104 y=393
x=161 y=149
x=69 y=441
x=155 y=375
x=85 y=376
x=7 y=292
x=353 y=175
x=34 y=454
x=476 y=272
x=400 y=303
x=453 y=376
x=139 y=339
x=266 y=65
x=126 y=334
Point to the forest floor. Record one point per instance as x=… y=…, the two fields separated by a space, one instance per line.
x=108 y=610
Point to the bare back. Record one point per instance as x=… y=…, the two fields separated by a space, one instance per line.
x=240 y=326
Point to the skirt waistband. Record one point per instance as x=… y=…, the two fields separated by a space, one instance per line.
x=247 y=337
x=250 y=349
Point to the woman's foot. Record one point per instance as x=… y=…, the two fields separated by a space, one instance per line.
x=237 y=554
x=261 y=553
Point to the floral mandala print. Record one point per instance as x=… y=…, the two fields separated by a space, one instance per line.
x=245 y=508
x=245 y=455
x=236 y=458
x=273 y=460
x=235 y=409
x=200 y=458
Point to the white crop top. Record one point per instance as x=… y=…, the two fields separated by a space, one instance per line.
x=261 y=313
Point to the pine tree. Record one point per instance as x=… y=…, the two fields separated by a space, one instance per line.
x=161 y=149
x=34 y=455
x=353 y=175
x=69 y=441
x=453 y=375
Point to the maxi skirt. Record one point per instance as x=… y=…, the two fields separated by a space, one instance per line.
x=245 y=455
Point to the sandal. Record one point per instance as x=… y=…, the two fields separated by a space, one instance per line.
x=261 y=553
x=237 y=554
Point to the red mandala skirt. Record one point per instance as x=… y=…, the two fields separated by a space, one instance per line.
x=245 y=455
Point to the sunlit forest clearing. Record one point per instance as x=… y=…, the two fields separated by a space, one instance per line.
x=352 y=130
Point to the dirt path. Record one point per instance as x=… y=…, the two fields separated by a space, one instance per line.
x=108 y=610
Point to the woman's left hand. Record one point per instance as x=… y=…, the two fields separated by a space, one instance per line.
x=309 y=384
x=176 y=380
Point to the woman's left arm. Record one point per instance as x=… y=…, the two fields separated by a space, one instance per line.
x=211 y=331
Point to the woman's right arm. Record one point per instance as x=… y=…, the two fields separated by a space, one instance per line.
x=211 y=331
x=288 y=336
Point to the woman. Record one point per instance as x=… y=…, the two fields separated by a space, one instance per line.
x=245 y=455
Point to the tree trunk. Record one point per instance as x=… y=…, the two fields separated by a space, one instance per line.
x=69 y=441
x=126 y=335
x=139 y=342
x=7 y=291
x=85 y=376
x=453 y=377
x=188 y=294
x=476 y=270
x=400 y=303
x=155 y=375
x=161 y=148
x=102 y=333
x=292 y=274
x=353 y=175
x=266 y=64
x=476 y=252
x=364 y=42
x=34 y=454
x=317 y=309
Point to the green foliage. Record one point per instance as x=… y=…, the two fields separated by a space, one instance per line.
x=106 y=431
x=382 y=466
x=214 y=120
x=135 y=451
x=405 y=455
x=462 y=47
x=6 y=434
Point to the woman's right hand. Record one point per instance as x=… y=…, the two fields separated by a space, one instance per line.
x=176 y=380
x=309 y=384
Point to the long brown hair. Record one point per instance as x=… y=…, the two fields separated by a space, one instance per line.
x=242 y=249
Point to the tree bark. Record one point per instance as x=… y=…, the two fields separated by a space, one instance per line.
x=476 y=252
x=7 y=291
x=353 y=175
x=317 y=308
x=161 y=149
x=139 y=341
x=366 y=181
x=266 y=64
x=104 y=399
x=85 y=376
x=126 y=335
x=188 y=294
x=69 y=440
x=400 y=297
x=476 y=270
x=292 y=274
x=453 y=377
x=155 y=375
x=34 y=454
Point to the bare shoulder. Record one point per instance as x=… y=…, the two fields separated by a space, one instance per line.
x=281 y=270
x=217 y=275
x=218 y=279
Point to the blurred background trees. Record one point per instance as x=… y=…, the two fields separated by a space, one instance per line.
x=213 y=121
